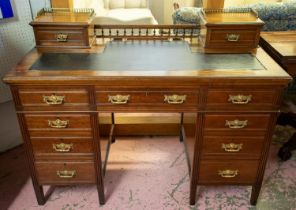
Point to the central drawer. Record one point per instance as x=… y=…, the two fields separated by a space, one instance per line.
x=65 y=172
x=59 y=125
x=108 y=100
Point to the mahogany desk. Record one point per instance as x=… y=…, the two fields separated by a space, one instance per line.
x=229 y=104
x=282 y=47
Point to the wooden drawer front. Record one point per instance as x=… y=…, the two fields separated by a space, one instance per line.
x=47 y=36
x=236 y=122
x=65 y=172
x=167 y=99
x=228 y=172
x=244 y=98
x=232 y=37
x=54 y=98
x=58 y=125
x=234 y=146
x=63 y=147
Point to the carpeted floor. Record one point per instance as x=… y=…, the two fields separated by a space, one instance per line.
x=150 y=173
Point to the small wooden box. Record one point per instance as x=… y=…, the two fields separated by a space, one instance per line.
x=64 y=28
x=230 y=30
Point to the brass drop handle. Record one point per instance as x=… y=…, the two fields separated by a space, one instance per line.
x=232 y=147
x=58 y=123
x=240 y=99
x=66 y=174
x=228 y=173
x=232 y=37
x=236 y=124
x=175 y=99
x=62 y=37
x=62 y=147
x=54 y=99
x=119 y=99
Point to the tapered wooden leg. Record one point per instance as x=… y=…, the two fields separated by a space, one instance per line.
x=101 y=194
x=255 y=194
x=192 y=193
x=39 y=194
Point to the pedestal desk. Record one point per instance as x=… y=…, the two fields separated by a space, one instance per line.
x=229 y=104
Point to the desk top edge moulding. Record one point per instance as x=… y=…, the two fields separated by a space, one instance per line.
x=229 y=108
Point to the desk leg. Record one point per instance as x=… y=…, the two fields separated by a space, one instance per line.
x=113 y=125
x=97 y=158
x=30 y=158
x=255 y=194
x=193 y=187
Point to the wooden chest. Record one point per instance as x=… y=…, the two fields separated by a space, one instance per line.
x=230 y=31
x=64 y=28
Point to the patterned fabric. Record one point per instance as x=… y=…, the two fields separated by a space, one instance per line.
x=187 y=15
x=277 y=17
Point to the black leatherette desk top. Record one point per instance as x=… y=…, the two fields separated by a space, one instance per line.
x=146 y=56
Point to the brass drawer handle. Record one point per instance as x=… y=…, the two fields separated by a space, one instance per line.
x=240 y=99
x=66 y=174
x=62 y=37
x=232 y=37
x=54 y=99
x=175 y=99
x=235 y=124
x=62 y=147
x=119 y=99
x=58 y=123
x=232 y=147
x=228 y=173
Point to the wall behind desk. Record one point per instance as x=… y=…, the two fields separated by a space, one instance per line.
x=16 y=38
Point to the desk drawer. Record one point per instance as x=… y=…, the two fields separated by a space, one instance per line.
x=232 y=37
x=236 y=122
x=53 y=97
x=61 y=36
x=66 y=147
x=232 y=146
x=58 y=125
x=65 y=172
x=173 y=99
x=241 y=98
x=228 y=172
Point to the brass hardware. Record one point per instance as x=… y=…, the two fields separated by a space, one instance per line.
x=62 y=147
x=53 y=99
x=228 y=173
x=62 y=37
x=119 y=99
x=66 y=174
x=232 y=147
x=58 y=123
x=240 y=99
x=232 y=37
x=175 y=99
x=236 y=123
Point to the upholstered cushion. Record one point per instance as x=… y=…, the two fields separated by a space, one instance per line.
x=189 y=15
x=126 y=16
x=116 y=4
x=132 y=4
